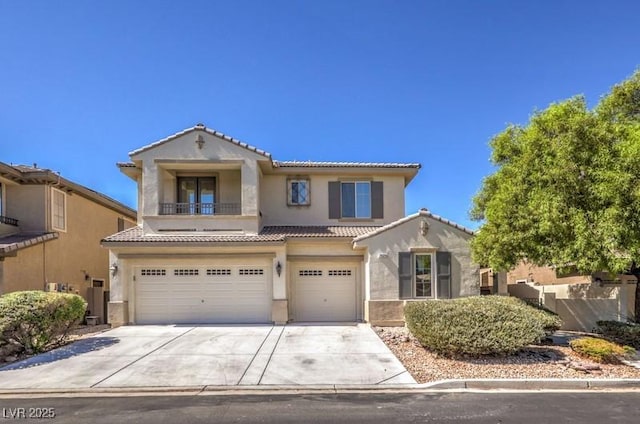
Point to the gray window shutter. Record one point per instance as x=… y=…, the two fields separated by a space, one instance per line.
x=443 y=268
x=377 y=200
x=334 y=199
x=405 y=277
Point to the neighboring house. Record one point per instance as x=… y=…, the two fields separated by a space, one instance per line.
x=50 y=232
x=226 y=234
x=550 y=275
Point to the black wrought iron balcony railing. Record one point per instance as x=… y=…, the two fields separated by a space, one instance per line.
x=8 y=221
x=200 y=209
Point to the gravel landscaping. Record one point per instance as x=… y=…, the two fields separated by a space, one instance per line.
x=552 y=361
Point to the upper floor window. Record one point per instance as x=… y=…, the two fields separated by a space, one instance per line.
x=0 y=199
x=356 y=199
x=196 y=195
x=298 y=193
x=58 y=210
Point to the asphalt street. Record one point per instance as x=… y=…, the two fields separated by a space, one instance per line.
x=521 y=408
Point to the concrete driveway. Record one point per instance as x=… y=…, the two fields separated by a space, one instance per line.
x=181 y=356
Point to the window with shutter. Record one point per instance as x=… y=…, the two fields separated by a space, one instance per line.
x=443 y=265
x=405 y=275
x=424 y=275
x=356 y=199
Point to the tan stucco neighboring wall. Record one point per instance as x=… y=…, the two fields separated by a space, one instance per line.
x=275 y=210
x=26 y=271
x=76 y=252
x=27 y=203
x=542 y=275
x=383 y=252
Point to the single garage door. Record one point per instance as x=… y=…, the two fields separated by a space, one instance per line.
x=203 y=294
x=325 y=292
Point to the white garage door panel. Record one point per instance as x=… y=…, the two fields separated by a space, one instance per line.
x=203 y=294
x=325 y=292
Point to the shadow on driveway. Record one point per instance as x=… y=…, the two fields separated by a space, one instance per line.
x=74 y=349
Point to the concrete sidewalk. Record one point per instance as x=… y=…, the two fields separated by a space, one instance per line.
x=216 y=356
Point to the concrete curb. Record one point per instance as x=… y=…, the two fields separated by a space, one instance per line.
x=533 y=384
x=434 y=387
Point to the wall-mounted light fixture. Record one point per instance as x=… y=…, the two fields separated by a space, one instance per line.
x=114 y=269
x=87 y=277
x=279 y=268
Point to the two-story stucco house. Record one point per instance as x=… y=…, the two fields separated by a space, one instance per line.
x=50 y=232
x=227 y=234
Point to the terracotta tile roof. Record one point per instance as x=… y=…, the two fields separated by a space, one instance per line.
x=268 y=234
x=310 y=164
x=201 y=127
x=135 y=235
x=19 y=241
x=24 y=174
x=421 y=212
x=317 y=231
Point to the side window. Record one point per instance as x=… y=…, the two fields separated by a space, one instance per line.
x=120 y=224
x=58 y=210
x=298 y=192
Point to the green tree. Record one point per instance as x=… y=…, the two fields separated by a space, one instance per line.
x=566 y=190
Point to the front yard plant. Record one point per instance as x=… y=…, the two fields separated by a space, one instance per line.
x=620 y=332
x=600 y=350
x=32 y=321
x=479 y=325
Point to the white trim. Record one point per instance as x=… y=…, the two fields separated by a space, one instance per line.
x=53 y=211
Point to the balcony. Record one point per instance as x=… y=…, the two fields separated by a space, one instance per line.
x=8 y=221
x=200 y=209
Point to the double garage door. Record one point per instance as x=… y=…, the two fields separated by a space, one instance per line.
x=325 y=292
x=220 y=293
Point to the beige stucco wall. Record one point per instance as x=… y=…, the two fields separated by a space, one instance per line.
x=294 y=252
x=128 y=259
x=383 y=252
x=581 y=305
x=275 y=210
x=236 y=167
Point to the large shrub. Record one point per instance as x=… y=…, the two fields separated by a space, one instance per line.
x=480 y=325
x=620 y=332
x=35 y=320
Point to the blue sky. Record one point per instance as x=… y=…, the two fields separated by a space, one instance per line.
x=82 y=83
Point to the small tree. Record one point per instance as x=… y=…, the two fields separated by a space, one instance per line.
x=566 y=189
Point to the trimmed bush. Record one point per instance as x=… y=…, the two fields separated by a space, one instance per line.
x=620 y=332
x=600 y=350
x=479 y=325
x=35 y=320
